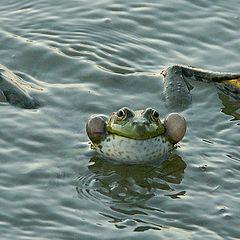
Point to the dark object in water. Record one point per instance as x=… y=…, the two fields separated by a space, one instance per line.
x=14 y=90
x=177 y=89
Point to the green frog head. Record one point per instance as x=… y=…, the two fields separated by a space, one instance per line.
x=140 y=124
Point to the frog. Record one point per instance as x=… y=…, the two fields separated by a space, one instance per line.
x=135 y=136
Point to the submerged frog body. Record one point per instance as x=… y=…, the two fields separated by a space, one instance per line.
x=135 y=136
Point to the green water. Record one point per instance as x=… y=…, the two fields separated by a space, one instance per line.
x=93 y=57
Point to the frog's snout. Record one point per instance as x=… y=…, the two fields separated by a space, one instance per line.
x=140 y=125
x=143 y=122
x=140 y=128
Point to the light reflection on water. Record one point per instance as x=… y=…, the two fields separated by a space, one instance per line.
x=93 y=58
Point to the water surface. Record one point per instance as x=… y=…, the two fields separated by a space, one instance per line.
x=93 y=57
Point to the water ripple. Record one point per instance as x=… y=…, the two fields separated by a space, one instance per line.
x=127 y=184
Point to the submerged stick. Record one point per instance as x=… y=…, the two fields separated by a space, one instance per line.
x=177 y=90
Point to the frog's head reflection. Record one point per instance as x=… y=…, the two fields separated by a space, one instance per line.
x=130 y=183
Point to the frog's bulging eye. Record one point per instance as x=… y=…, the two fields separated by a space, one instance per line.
x=121 y=114
x=151 y=114
x=155 y=115
x=124 y=113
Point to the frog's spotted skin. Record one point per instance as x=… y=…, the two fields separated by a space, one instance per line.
x=127 y=150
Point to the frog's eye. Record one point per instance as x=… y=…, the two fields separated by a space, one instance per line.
x=121 y=114
x=155 y=115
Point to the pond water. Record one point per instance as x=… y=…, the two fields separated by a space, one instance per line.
x=93 y=57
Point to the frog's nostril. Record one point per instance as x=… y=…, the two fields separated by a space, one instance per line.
x=143 y=122
x=140 y=129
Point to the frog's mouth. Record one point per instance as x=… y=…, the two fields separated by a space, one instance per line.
x=138 y=131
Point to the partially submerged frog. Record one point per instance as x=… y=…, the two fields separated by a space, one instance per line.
x=135 y=136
